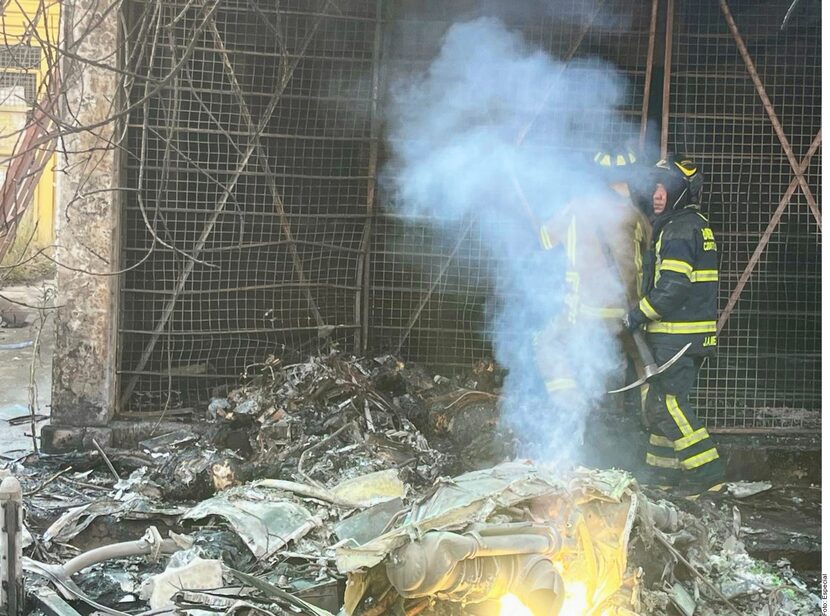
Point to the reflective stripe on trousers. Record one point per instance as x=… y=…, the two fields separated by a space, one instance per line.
x=678 y=440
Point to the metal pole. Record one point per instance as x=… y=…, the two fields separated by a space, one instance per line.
x=664 y=129
x=773 y=118
x=652 y=34
x=363 y=272
x=767 y=235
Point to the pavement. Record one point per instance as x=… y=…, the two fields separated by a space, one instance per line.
x=16 y=361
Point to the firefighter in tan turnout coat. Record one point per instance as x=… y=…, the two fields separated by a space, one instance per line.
x=612 y=228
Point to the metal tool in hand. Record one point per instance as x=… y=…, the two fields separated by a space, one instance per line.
x=650 y=367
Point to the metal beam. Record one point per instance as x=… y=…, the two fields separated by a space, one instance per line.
x=773 y=117
x=652 y=35
x=664 y=129
x=767 y=235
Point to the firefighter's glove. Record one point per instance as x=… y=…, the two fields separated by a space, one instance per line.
x=634 y=319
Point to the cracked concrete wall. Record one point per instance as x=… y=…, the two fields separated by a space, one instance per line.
x=83 y=391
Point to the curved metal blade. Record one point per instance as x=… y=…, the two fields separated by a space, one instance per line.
x=636 y=383
x=671 y=362
x=659 y=370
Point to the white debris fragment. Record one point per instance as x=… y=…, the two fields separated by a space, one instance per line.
x=198 y=574
x=745 y=489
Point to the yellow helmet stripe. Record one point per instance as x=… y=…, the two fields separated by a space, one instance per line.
x=686 y=168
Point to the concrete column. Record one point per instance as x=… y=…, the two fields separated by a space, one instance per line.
x=83 y=375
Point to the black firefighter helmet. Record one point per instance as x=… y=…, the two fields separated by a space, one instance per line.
x=682 y=180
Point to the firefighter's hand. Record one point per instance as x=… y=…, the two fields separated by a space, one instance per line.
x=632 y=320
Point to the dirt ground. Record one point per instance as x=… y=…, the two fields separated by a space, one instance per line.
x=17 y=337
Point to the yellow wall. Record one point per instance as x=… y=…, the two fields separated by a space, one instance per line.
x=18 y=20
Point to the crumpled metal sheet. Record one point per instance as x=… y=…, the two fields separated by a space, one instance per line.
x=264 y=523
x=134 y=507
x=372 y=488
x=453 y=503
x=368 y=524
x=592 y=510
x=198 y=574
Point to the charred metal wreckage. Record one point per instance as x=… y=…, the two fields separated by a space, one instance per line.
x=364 y=487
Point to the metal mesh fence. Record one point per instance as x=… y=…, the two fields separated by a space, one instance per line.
x=241 y=245
x=266 y=231
x=768 y=371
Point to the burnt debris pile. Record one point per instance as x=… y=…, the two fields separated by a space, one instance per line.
x=317 y=487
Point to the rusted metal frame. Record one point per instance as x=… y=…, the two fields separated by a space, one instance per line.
x=664 y=129
x=773 y=117
x=220 y=206
x=269 y=176
x=280 y=242
x=652 y=35
x=364 y=265
x=115 y=338
x=767 y=235
x=257 y=287
x=767 y=431
x=226 y=332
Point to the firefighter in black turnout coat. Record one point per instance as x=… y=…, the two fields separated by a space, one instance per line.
x=679 y=306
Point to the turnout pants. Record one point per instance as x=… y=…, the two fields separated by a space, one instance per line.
x=679 y=446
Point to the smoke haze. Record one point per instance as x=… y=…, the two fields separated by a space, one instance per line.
x=453 y=135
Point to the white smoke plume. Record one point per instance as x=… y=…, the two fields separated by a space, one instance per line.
x=453 y=133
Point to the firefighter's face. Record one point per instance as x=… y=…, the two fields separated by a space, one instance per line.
x=658 y=200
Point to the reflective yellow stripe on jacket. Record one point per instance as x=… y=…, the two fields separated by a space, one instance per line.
x=601 y=313
x=571 y=242
x=681 y=267
x=649 y=310
x=544 y=237
x=693 y=327
x=638 y=257
x=675 y=265
x=704 y=276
